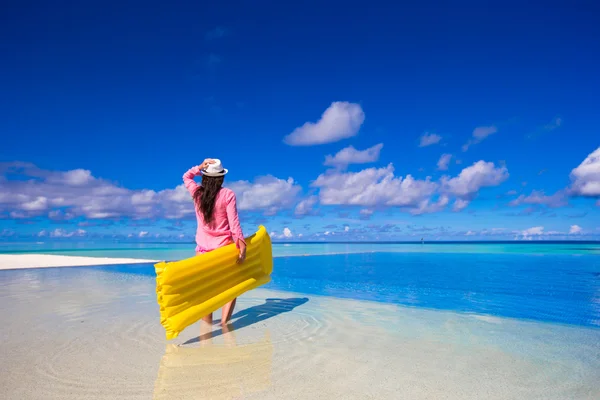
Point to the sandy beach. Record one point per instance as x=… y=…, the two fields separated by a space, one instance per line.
x=20 y=261
x=95 y=334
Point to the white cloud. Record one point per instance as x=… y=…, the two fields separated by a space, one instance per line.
x=478 y=135
x=372 y=187
x=265 y=192
x=350 y=155
x=481 y=132
x=65 y=195
x=575 y=229
x=535 y=231
x=428 y=206
x=340 y=121
x=346 y=228
x=471 y=179
x=143 y=234
x=586 y=177
x=444 y=161
x=460 y=204
x=428 y=139
x=76 y=177
x=538 y=197
x=40 y=203
x=286 y=234
x=305 y=207
x=61 y=233
x=59 y=215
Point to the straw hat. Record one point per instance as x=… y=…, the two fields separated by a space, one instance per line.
x=215 y=169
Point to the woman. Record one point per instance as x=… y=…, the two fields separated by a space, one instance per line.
x=216 y=213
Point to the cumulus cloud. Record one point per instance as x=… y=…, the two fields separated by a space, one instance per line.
x=586 y=177
x=528 y=233
x=471 y=179
x=575 y=229
x=380 y=187
x=61 y=233
x=460 y=204
x=59 y=215
x=286 y=234
x=372 y=187
x=340 y=121
x=478 y=135
x=444 y=161
x=538 y=197
x=305 y=207
x=266 y=193
x=350 y=155
x=428 y=139
x=66 y=195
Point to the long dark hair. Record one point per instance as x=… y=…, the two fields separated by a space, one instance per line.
x=206 y=195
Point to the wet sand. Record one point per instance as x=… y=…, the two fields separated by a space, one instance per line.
x=92 y=334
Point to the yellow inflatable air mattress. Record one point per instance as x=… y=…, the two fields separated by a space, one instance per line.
x=190 y=289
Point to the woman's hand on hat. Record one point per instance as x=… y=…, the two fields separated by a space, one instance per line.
x=206 y=162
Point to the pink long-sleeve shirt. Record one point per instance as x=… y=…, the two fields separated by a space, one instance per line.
x=225 y=227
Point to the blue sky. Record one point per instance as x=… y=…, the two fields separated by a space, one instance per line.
x=382 y=122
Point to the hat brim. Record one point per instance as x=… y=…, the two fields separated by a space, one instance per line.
x=222 y=173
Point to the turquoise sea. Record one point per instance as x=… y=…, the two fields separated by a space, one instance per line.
x=177 y=251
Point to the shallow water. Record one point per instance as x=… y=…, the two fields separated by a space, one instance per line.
x=550 y=288
x=94 y=333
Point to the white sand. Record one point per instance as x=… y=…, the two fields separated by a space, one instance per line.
x=20 y=261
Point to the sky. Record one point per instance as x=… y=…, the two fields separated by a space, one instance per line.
x=471 y=121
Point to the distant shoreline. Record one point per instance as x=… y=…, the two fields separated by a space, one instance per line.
x=30 y=261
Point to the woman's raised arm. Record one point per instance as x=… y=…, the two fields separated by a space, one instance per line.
x=188 y=179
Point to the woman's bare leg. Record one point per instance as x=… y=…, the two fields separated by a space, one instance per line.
x=206 y=330
x=227 y=311
x=208 y=319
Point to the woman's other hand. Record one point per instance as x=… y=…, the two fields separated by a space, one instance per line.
x=205 y=163
x=242 y=248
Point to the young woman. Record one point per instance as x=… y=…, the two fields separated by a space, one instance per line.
x=216 y=213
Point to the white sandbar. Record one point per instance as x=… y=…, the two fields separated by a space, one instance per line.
x=20 y=261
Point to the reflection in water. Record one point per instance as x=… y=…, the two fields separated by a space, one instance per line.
x=215 y=371
x=223 y=371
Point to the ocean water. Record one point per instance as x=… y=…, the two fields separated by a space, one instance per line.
x=178 y=251
x=552 y=288
x=417 y=321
